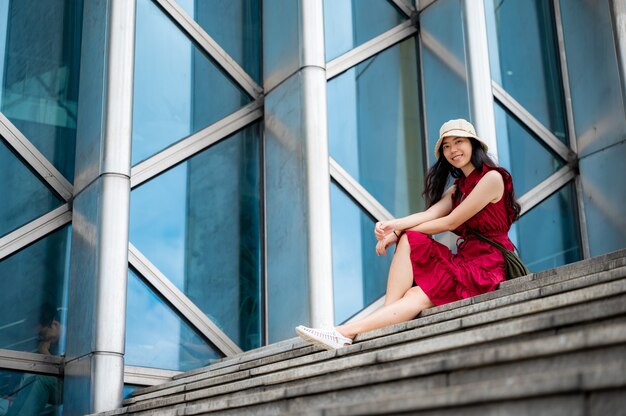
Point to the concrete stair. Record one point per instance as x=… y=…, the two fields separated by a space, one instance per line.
x=550 y=343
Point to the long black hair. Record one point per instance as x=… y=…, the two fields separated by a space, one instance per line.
x=438 y=175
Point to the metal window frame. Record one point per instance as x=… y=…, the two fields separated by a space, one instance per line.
x=571 y=130
x=31 y=362
x=444 y=55
x=424 y=4
x=34 y=230
x=369 y=49
x=546 y=188
x=211 y=47
x=523 y=115
x=146 y=376
x=180 y=302
x=35 y=160
x=356 y=191
x=195 y=143
x=405 y=7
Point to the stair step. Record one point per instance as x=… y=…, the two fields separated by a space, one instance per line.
x=318 y=364
x=529 y=291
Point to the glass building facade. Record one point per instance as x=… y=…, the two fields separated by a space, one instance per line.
x=184 y=180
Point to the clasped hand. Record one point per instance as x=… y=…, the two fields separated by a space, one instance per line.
x=385 y=236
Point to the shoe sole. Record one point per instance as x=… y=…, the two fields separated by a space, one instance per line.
x=318 y=343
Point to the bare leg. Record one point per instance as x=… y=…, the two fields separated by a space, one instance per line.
x=400 y=272
x=404 y=309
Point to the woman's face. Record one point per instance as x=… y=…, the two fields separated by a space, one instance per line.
x=457 y=151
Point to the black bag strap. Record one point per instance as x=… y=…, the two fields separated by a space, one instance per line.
x=490 y=241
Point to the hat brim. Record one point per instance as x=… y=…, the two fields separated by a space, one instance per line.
x=458 y=133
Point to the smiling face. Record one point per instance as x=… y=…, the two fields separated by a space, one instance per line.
x=457 y=151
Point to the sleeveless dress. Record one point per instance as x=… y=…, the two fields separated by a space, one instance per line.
x=477 y=267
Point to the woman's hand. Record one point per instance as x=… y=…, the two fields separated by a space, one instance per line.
x=381 y=246
x=383 y=229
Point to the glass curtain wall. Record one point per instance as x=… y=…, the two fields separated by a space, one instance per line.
x=524 y=59
x=39 y=80
x=197 y=222
x=374 y=135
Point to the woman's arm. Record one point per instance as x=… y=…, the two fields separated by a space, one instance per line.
x=440 y=209
x=489 y=189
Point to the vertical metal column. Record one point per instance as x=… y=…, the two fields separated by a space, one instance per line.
x=479 y=73
x=318 y=175
x=618 y=18
x=94 y=372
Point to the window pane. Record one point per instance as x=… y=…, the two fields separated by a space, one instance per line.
x=593 y=74
x=199 y=223
x=373 y=127
x=39 y=72
x=526 y=64
x=234 y=25
x=350 y=23
x=444 y=67
x=604 y=195
x=30 y=394
x=522 y=154
x=157 y=337
x=178 y=90
x=548 y=234
x=360 y=276
x=26 y=198
x=33 y=296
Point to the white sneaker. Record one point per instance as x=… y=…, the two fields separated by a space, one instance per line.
x=329 y=339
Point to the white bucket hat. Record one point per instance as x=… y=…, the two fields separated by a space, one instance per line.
x=457 y=128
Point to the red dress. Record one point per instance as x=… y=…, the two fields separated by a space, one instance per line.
x=478 y=267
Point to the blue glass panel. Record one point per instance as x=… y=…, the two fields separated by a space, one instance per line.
x=27 y=196
x=443 y=67
x=178 y=90
x=33 y=296
x=129 y=389
x=529 y=161
x=373 y=127
x=527 y=60
x=360 y=276
x=350 y=23
x=27 y=394
x=285 y=179
x=547 y=235
x=604 y=193
x=234 y=25
x=593 y=75
x=39 y=73
x=157 y=337
x=281 y=39
x=199 y=223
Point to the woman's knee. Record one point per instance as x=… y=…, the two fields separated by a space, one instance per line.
x=419 y=296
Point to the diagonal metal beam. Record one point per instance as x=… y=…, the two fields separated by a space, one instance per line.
x=405 y=6
x=37 y=161
x=30 y=362
x=181 y=303
x=195 y=143
x=369 y=49
x=423 y=4
x=546 y=188
x=358 y=192
x=211 y=47
x=34 y=230
x=532 y=123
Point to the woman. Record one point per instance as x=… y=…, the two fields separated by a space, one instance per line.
x=423 y=272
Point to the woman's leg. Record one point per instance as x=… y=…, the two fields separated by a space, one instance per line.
x=400 y=272
x=403 y=309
